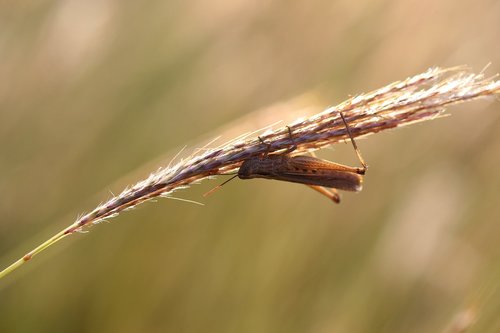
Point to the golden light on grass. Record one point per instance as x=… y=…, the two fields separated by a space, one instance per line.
x=415 y=99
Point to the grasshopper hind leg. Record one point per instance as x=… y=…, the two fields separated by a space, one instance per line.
x=362 y=170
x=330 y=193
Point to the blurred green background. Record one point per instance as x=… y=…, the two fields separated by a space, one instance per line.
x=96 y=94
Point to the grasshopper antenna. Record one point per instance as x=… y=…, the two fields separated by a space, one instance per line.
x=361 y=160
x=219 y=186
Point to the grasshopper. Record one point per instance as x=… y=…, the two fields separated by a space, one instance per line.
x=321 y=175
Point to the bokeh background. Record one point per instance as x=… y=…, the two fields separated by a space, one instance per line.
x=95 y=94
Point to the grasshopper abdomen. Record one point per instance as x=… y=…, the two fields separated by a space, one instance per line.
x=306 y=170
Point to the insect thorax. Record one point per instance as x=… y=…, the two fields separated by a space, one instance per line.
x=257 y=167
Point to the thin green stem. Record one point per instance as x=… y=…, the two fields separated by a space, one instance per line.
x=27 y=257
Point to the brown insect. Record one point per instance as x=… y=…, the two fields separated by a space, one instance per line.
x=321 y=175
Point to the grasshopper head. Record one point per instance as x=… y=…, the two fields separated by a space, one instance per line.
x=247 y=169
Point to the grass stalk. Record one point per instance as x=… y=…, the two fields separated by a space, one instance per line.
x=415 y=99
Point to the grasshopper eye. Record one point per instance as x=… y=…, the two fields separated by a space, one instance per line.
x=245 y=170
